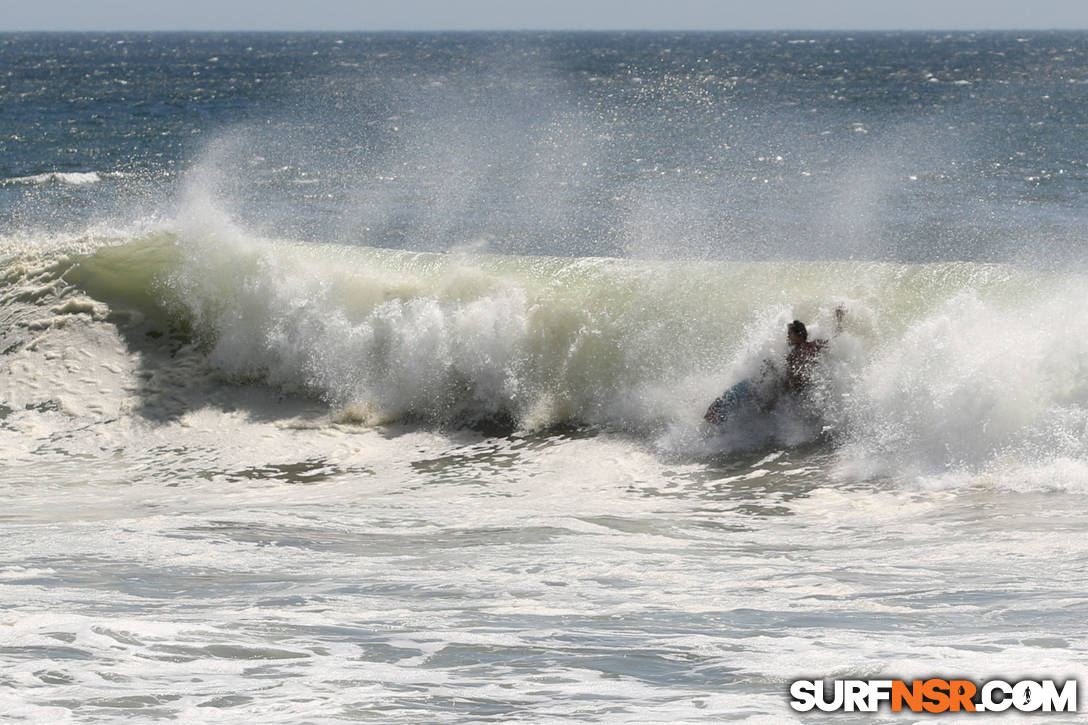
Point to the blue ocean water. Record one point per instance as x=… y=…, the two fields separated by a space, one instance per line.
x=912 y=146
x=361 y=376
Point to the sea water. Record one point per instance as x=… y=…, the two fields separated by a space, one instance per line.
x=357 y=377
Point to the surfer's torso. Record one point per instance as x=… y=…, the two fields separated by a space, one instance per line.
x=801 y=362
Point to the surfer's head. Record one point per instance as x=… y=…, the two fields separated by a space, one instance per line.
x=796 y=332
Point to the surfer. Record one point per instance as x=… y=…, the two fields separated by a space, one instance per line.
x=802 y=358
x=762 y=395
x=804 y=354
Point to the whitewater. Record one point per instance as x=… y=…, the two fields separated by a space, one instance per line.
x=391 y=409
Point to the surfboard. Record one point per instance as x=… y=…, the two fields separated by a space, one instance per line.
x=740 y=397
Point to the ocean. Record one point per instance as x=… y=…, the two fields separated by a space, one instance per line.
x=361 y=377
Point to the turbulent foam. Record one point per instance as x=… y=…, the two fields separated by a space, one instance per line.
x=941 y=367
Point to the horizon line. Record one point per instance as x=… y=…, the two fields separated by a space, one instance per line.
x=703 y=31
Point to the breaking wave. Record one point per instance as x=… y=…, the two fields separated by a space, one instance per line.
x=940 y=366
x=69 y=178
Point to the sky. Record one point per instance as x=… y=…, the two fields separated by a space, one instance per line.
x=375 y=15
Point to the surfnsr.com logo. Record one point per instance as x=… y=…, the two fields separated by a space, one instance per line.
x=934 y=695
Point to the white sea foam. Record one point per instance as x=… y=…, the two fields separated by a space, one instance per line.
x=256 y=558
x=71 y=178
